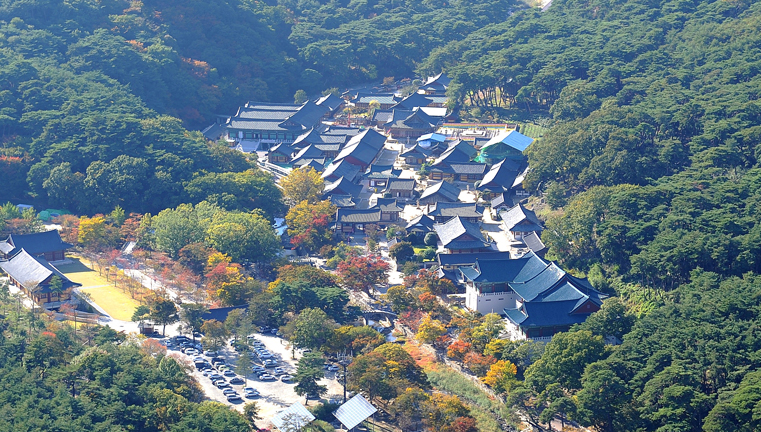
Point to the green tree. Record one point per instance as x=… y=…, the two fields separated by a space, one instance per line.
x=564 y=360
x=308 y=372
x=163 y=311
x=191 y=316
x=214 y=333
x=401 y=252
x=312 y=329
x=300 y=97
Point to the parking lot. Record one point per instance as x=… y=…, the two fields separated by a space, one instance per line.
x=274 y=395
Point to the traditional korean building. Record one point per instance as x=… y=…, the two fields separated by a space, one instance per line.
x=465 y=172
x=271 y=123
x=362 y=149
x=444 y=211
x=500 y=178
x=460 y=236
x=333 y=103
x=428 y=140
x=339 y=169
x=420 y=226
x=350 y=221
x=435 y=85
x=37 y=278
x=47 y=245
x=386 y=100
x=341 y=186
x=415 y=155
x=389 y=208
x=439 y=192
x=537 y=296
x=378 y=176
x=506 y=145
x=401 y=188
x=520 y=221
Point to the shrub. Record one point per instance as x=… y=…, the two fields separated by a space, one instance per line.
x=431 y=239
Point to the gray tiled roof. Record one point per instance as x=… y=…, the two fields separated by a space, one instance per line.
x=444 y=189
x=401 y=184
x=520 y=215
x=500 y=177
x=30 y=271
x=316 y=164
x=414 y=100
x=350 y=215
x=342 y=186
x=452 y=209
x=534 y=242
x=341 y=168
x=452 y=232
x=422 y=222
x=387 y=205
x=309 y=152
x=342 y=201
x=415 y=151
x=468 y=168
x=382 y=98
x=35 y=244
x=330 y=101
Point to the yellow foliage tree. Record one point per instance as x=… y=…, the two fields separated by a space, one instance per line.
x=92 y=232
x=500 y=376
x=429 y=330
x=302 y=185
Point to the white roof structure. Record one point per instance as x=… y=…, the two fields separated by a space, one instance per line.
x=354 y=411
x=292 y=418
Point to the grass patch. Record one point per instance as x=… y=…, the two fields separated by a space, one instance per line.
x=483 y=406
x=114 y=301
x=78 y=272
x=532 y=130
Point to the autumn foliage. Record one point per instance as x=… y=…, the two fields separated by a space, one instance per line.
x=361 y=273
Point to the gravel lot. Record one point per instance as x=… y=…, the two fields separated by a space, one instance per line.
x=275 y=395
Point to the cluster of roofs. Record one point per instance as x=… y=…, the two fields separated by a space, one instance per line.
x=26 y=260
x=263 y=124
x=372 y=184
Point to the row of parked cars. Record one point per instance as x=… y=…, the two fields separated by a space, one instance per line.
x=267 y=359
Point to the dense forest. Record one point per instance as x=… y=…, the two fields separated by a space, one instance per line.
x=651 y=171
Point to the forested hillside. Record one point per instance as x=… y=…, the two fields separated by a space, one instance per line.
x=651 y=169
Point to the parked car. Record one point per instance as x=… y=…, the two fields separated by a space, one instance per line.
x=258 y=370
x=251 y=394
x=279 y=371
x=265 y=356
x=215 y=376
x=332 y=368
x=206 y=372
x=273 y=331
x=237 y=381
x=233 y=398
x=228 y=373
x=222 y=384
x=228 y=391
x=266 y=377
x=286 y=378
x=270 y=363
x=208 y=353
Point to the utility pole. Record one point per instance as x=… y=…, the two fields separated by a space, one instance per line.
x=344 y=360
